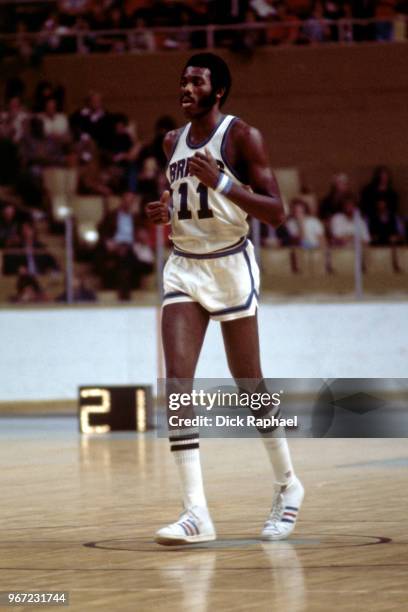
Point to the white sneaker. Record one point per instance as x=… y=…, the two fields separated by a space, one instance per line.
x=285 y=507
x=194 y=525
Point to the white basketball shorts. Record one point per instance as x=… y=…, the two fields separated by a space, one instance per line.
x=225 y=283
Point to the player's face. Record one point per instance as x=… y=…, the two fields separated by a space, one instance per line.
x=196 y=93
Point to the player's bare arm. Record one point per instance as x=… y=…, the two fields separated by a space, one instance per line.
x=158 y=211
x=246 y=149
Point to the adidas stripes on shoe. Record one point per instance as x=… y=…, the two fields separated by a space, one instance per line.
x=285 y=507
x=194 y=525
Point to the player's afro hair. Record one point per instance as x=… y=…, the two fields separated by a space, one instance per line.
x=219 y=71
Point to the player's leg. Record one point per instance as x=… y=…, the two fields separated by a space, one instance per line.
x=183 y=330
x=241 y=340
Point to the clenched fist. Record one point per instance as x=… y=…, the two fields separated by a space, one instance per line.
x=158 y=212
x=205 y=168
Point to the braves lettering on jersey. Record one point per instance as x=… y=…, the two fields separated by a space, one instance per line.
x=203 y=220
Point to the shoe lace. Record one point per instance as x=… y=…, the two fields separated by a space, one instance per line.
x=187 y=514
x=277 y=509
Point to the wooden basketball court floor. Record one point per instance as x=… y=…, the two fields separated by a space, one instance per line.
x=78 y=514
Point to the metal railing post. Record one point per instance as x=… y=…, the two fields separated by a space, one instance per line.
x=256 y=237
x=69 y=259
x=358 y=256
x=159 y=260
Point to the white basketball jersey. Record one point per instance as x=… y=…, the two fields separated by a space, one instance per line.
x=202 y=219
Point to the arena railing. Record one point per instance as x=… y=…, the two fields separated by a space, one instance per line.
x=346 y=29
x=357 y=270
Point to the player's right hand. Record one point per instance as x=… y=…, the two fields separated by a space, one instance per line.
x=158 y=212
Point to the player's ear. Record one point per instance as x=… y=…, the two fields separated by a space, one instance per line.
x=220 y=93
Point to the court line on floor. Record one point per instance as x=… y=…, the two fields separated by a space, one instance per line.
x=268 y=568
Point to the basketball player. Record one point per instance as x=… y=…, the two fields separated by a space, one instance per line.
x=219 y=173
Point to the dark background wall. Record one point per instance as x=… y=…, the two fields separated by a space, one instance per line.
x=323 y=109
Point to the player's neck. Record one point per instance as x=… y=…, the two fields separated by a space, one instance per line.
x=203 y=126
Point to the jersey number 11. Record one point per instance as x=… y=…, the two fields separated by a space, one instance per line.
x=204 y=212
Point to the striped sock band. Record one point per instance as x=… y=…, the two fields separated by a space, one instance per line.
x=184 y=439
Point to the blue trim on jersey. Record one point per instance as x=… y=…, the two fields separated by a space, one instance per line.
x=215 y=254
x=207 y=140
x=223 y=152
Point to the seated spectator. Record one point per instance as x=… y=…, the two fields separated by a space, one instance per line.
x=28 y=290
x=262 y=8
x=71 y=9
x=97 y=178
x=246 y=41
x=154 y=148
x=10 y=161
x=385 y=10
x=180 y=39
x=23 y=44
x=333 y=10
x=10 y=222
x=201 y=14
x=122 y=257
x=13 y=120
x=84 y=41
x=315 y=29
x=55 y=124
x=343 y=225
x=141 y=39
x=52 y=36
x=308 y=195
x=94 y=120
x=304 y=230
x=149 y=181
x=380 y=187
x=125 y=150
x=46 y=90
x=101 y=19
x=137 y=8
x=144 y=253
x=332 y=202
x=29 y=255
x=98 y=19
x=38 y=151
x=384 y=226
x=285 y=27
x=80 y=292
x=363 y=9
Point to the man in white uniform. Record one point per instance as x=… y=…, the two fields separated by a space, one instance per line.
x=212 y=273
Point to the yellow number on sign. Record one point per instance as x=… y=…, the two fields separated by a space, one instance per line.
x=141 y=410
x=101 y=408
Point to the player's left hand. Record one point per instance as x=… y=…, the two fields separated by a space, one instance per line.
x=205 y=168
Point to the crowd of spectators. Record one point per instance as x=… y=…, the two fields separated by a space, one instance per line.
x=333 y=222
x=109 y=160
x=286 y=22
